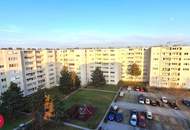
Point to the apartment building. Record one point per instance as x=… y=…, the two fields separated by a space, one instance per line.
x=29 y=68
x=114 y=63
x=74 y=60
x=10 y=69
x=105 y=59
x=170 y=66
x=162 y=66
x=129 y=56
x=39 y=69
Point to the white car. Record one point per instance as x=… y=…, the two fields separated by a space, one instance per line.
x=129 y=88
x=149 y=115
x=133 y=120
x=164 y=100
x=147 y=101
x=115 y=107
x=121 y=94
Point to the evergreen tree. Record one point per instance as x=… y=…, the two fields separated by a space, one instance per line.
x=12 y=101
x=98 y=78
x=37 y=103
x=65 y=80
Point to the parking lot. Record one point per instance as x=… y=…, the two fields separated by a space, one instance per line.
x=159 y=122
x=164 y=116
x=132 y=97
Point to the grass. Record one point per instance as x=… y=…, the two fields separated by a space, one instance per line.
x=55 y=91
x=105 y=87
x=9 y=125
x=100 y=100
x=52 y=126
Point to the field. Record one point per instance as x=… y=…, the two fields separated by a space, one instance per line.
x=55 y=91
x=105 y=87
x=52 y=126
x=100 y=100
x=9 y=125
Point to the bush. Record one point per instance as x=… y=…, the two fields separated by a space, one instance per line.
x=131 y=83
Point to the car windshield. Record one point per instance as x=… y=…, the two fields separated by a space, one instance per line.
x=133 y=119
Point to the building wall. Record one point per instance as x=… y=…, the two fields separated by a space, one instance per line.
x=170 y=67
x=31 y=69
x=10 y=69
x=74 y=60
x=106 y=61
x=114 y=62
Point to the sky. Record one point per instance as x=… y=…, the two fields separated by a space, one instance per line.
x=83 y=23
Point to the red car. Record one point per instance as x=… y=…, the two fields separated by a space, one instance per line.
x=141 y=120
x=141 y=90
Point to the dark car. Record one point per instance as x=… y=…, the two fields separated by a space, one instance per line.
x=111 y=116
x=141 y=120
x=186 y=102
x=141 y=99
x=173 y=105
x=119 y=117
x=158 y=103
x=153 y=102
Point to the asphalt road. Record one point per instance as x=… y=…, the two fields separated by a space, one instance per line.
x=120 y=126
x=156 y=110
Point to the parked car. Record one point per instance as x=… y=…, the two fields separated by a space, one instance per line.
x=133 y=118
x=119 y=117
x=111 y=116
x=114 y=109
x=153 y=102
x=137 y=89
x=141 y=89
x=147 y=101
x=158 y=102
x=129 y=88
x=149 y=115
x=141 y=120
x=173 y=105
x=141 y=99
x=164 y=100
x=121 y=94
x=186 y=102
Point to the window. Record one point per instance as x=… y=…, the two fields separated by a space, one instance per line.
x=12 y=65
x=186 y=53
x=3 y=80
x=1 y=66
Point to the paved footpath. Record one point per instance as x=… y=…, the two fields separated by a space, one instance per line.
x=98 y=90
x=156 y=110
x=76 y=126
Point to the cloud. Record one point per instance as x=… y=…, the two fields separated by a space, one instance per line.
x=10 y=29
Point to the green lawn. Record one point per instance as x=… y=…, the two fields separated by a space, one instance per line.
x=105 y=87
x=9 y=125
x=52 y=126
x=55 y=91
x=100 y=100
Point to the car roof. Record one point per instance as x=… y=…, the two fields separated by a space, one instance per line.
x=134 y=116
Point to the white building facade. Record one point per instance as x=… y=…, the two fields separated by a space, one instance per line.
x=31 y=69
